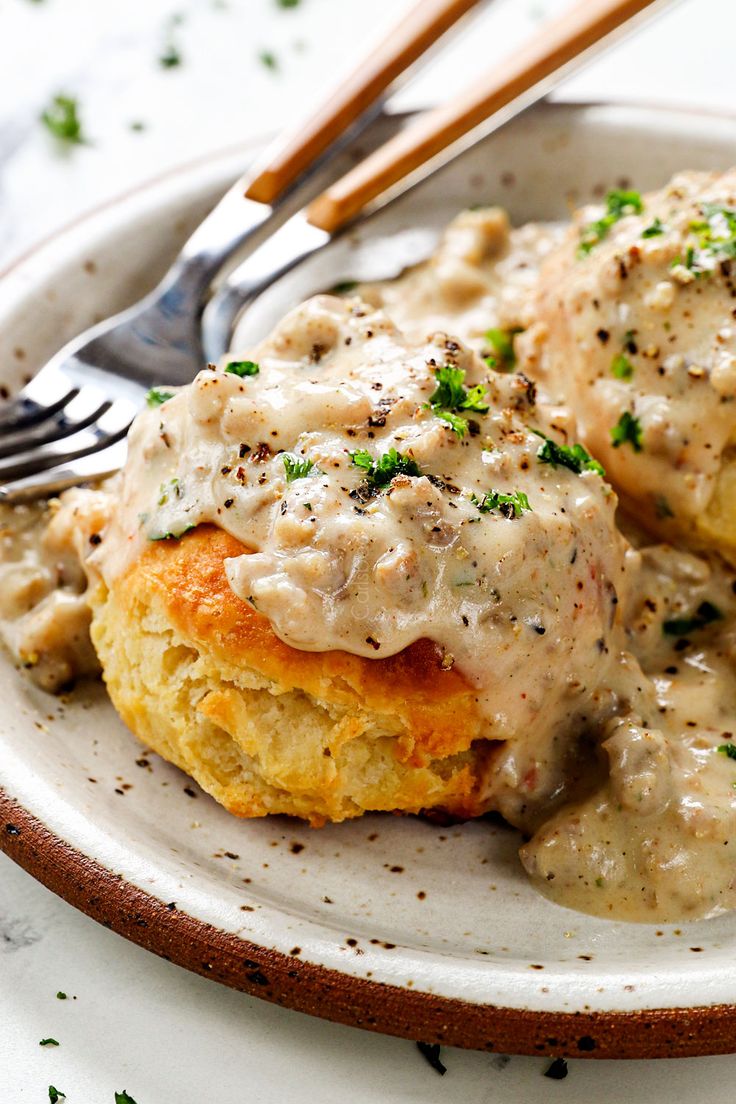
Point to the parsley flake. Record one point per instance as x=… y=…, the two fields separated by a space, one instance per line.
x=451 y=396
x=61 y=118
x=715 y=235
x=654 y=229
x=61 y=996
x=621 y=367
x=717 y=231
x=501 y=342
x=619 y=203
x=268 y=59
x=379 y=473
x=56 y=1095
x=510 y=505
x=457 y=424
x=172 y=489
x=295 y=468
x=627 y=431
x=243 y=368
x=48 y=1042
x=574 y=457
x=170 y=535
x=705 y=615
x=156 y=397
x=729 y=750
x=123 y=1098
x=170 y=57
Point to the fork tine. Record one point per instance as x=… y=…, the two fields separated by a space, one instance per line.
x=47 y=392
x=82 y=409
x=111 y=425
x=52 y=481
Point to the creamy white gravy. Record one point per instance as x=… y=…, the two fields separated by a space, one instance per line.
x=644 y=327
x=611 y=683
x=340 y=564
x=44 y=618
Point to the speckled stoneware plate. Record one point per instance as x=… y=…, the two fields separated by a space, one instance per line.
x=388 y=923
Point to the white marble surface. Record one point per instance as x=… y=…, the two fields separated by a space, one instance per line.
x=139 y=1023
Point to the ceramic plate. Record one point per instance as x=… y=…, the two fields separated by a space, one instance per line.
x=388 y=923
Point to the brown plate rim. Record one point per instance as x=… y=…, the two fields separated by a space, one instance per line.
x=316 y=990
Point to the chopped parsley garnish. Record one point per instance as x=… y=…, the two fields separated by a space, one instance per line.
x=156 y=397
x=574 y=457
x=172 y=536
x=457 y=424
x=705 y=615
x=172 y=489
x=510 y=505
x=729 y=750
x=268 y=59
x=619 y=203
x=451 y=396
x=621 y=367
x=56 y=1095
x=61 y=118
x=170 y=57
x=61 y=996
x=379 y=473
x=627 y=430
x=123 y=1098
x=716 y=232
x=343 y=286
x=431 y=1052
x=687 y=262
x=451 y=393
x=243 y=368
x=362 y=459
x=654 y=230
x=502 y=344
x=288 y=3
x=48 y=1042
x=295 y=468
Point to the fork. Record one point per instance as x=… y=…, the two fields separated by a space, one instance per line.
x=79 y=407
x=69 y=422
x=434 y=139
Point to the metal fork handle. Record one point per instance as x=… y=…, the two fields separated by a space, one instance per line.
x=236 y=223
x=259 y=202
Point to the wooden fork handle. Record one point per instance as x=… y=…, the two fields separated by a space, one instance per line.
x=549 y=49
x=407 y=41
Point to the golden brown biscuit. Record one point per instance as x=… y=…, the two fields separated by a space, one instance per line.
x=200 y=677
